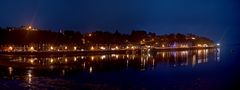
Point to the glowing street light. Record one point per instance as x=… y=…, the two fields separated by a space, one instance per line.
x=163 y=45
x=133 y=47
x=65 y=47
x=103 y=48
x=75 y=48
x=89 y=34
x=92 y=48
x=127 y=47
x=10 y=48
x=51 y=48
x=31 y=48
x=193 y=38
x=218 y=44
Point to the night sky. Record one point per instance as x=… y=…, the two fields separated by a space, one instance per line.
x=216 y=19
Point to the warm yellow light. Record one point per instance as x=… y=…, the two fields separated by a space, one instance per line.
x=193 y=38
x=199 y=45
x=51 y=47
x=133 y=47
x=92 y=48
x=31 y=48
x=89 y=34
x=75 y=59
x=29 y=75
x=92 y=58
x=163 y=45
x=205 y=45
x=10 y=48
x=103 y=57
x=51 y=60
x=29 y=27
x=103 y=48
x=66 y=60
x=32 y=61
x=65 y=47
x=127 y=47
x=117 y=47
x=75 y=48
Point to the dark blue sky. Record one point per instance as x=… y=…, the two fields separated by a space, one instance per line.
x=217 y=19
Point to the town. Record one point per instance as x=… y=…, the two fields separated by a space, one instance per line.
x=30 y=39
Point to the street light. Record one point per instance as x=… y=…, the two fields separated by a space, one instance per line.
x=51 y=47
x=10 y=48
x=75 y=48
x=31 y=48
x=92 y=48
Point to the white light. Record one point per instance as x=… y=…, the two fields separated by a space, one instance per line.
x=90 y=69
x=218 y=44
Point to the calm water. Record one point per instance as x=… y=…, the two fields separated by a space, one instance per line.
x=182 y=70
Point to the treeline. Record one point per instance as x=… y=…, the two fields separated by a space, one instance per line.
x=139 y=37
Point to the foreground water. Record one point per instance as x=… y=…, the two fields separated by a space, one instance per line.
x=182 y=70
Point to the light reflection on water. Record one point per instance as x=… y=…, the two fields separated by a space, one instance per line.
x=31 y=68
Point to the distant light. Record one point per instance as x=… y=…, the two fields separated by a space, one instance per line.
x=75 y=48
x=75 y=59
x=133 y=47
x=89 y=34
x=90 y=69
x=51 y=47
x=29 y=75
x=31 y=48
x=65 y=47
x=103 y=48
x=82 y=49
x=193 y=38
x=218 y=44
x=163 y=45
x=29 y=27
x=66 y=60
x=103 y=57
x=92 y=58
x=205 y=45
x=10 y=48
x=199 y=45
x=51 y=60
x=92 y=48
x=32 y=61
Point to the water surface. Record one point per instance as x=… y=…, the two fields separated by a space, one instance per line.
x=182 y=70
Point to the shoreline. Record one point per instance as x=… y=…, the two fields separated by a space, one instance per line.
x=99 y=52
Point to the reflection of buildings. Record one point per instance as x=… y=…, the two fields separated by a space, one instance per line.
x=116 y=61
